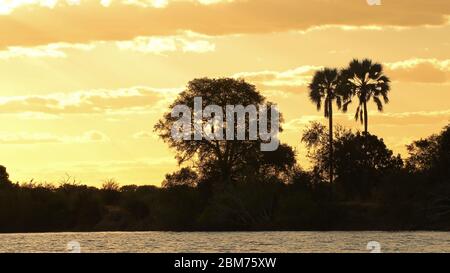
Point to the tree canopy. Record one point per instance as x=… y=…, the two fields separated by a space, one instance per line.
x=226 y=160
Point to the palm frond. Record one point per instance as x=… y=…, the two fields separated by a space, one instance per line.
x=375 y=70
x=345 y=105
x=318 y=104
x=323 y=87
x=357 y=112
x=365 y=80
x=361 y=117
x=378 y=103
x=339 y=102
x=385 y=98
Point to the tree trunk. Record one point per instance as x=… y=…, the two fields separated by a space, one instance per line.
x=330 y=125
x=365 y=171
x=365 y=117
x=225 y=172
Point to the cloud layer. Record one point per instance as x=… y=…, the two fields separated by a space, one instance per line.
x=420 y=71
x=91 y=20
x=87 y=102
x=297 y=79
x=40 y=138
x=160 y=45
x=391 y=119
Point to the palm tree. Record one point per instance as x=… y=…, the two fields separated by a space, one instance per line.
x=365 y=80
x=324 y=88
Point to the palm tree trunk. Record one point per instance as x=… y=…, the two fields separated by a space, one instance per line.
x=330 y=125
x=365 y=171
x=365 y=117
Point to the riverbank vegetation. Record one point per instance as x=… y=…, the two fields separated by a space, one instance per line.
x=356 y=182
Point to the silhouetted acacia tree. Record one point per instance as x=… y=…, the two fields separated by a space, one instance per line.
x=226 y=160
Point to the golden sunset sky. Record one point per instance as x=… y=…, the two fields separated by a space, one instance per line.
x=82 y=82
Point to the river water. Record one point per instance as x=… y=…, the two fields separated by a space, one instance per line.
x=224 y=242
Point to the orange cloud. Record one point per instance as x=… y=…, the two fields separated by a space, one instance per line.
x=116 y=21
x=297 y=79
x=420 y=70
x=86 y=102
x=289 y=80
x=163 y=44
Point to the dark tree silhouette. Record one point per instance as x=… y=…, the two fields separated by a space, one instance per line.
x=4 y=178
x=423 y=154
x=431 y=155
x=224 y=158
x=359 y=155
x=323 y=90
x=316 y=139
x=183 y=177
x=364 y=80
x=356 y=158
x=444 y=154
